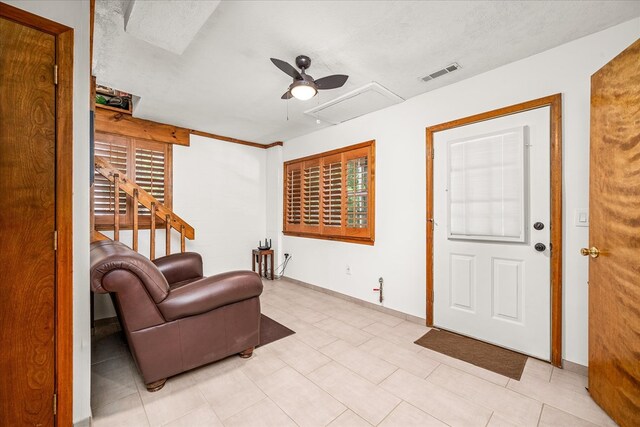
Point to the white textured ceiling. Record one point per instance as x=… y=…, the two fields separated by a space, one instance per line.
x=224 y=83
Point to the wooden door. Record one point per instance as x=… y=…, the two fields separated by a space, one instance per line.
x=614 y=203
x=27 y=224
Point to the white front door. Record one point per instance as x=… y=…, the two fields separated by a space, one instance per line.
x=491 y=193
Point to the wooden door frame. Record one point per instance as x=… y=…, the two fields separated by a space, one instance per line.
x=555 y=104
x=64 y=204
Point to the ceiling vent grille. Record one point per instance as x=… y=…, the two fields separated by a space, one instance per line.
x=446 y=70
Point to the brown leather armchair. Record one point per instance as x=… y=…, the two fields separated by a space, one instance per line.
x=174 y=318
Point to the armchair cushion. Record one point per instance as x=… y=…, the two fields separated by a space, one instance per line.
x=210 y=293
x=181 y=267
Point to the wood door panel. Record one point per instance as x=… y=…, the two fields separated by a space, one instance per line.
x=614 y=277
x=27 y=223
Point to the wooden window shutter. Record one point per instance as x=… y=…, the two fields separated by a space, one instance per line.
x=332 y=194
x=116 y=151
x=151 y=170
x=311 y=196
x=293 y=197
x=357 y=209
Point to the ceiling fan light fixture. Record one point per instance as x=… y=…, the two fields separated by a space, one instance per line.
x=303 y=90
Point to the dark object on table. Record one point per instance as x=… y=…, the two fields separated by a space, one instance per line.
x=175 y=319
x=266 y=245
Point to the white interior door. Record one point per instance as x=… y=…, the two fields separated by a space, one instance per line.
x=491 y=185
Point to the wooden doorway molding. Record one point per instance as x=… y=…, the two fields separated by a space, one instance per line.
x=554 y=102
x=63 y=210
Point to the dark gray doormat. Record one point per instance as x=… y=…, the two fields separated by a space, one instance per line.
x=488 y=356
x=271 y=331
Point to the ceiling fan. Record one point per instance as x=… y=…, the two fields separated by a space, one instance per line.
x=304 y=86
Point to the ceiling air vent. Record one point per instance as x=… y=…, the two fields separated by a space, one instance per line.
x=446 y=70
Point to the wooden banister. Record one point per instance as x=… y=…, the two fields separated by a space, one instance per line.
x=132 y=189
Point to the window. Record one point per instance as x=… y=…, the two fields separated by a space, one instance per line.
x=148 y=163
x=331 y=195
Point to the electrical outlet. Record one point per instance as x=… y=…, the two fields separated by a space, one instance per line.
x=286 y=256
x=348 y=270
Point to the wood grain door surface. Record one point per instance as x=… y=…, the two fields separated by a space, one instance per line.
x=27 y=224
x=614 y=276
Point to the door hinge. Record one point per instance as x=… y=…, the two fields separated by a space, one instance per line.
x=433 y=154
x=55 y=74
x=55 y=404
x=55 y=240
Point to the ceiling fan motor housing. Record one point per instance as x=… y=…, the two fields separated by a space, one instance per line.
x=303 y=62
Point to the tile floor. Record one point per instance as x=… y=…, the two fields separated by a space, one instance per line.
x=347 y=365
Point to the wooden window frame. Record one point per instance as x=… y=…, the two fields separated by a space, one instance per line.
x=105 y=222
x=365 y=236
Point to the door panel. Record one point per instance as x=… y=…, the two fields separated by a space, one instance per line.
x=614 y=204
x=27 y=223
x=491 y=184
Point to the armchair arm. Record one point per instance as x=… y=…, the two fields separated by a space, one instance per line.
x=210 y=293
x=180 y=267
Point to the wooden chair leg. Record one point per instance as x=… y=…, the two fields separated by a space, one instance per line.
x=156 y=385
x=247 y=353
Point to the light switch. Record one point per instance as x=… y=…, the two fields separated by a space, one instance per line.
x=582 y=218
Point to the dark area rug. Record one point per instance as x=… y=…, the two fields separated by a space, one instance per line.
x=271 y=331
x=488 y=356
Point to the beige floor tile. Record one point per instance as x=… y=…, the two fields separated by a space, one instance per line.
x=302 y=400
x=479 y=372
x=511 y=406
x=366 y=399
x=310 y=334
x=398 y=337
x=385 y=318
x=349 y=419
x=344 y=331
x=108 y=347
x=261 y=364
x=177 y=398
x=537 y=369
x=112 y=380
x=415 y=363
x=203 y=416
x=570 y=380
x=262 y=414
x=436 y=401
x=498 y=421
x=298 y=355
x=349 y=316
x=552 y=417
x=567 y=400
x=230 y=393
x=125 y=412
x=406 y=415
x=369 y=367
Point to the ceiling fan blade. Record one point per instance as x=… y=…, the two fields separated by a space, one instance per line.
x=331 y=82
x=287 y=95
x=287 y=68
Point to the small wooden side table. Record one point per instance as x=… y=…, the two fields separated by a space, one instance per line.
x=262 y=256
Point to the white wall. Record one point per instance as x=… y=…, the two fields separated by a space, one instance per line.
x=221 y=190
x=76 y=15
x=399 y=131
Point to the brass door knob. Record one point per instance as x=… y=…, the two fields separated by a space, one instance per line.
x=593 y=252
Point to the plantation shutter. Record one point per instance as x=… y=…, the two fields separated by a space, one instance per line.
x=311 y=197
x=116 y=152
x=293 y=197
x=150 y=165
x=331 y=195
x=332 y=192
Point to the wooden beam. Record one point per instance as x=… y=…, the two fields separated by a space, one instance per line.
x=126 y=125
x=274 y=144
x=226 y=138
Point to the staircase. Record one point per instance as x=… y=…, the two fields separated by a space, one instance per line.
x=140 y=197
